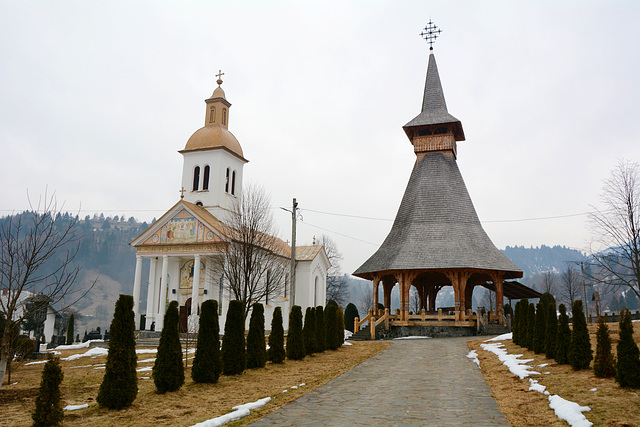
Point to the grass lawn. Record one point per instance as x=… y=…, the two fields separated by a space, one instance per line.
x=610 y=404
x=191 y=404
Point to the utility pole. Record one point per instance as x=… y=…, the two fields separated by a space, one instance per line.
x=294 y=215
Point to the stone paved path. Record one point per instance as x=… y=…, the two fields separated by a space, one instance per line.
x=412 y=383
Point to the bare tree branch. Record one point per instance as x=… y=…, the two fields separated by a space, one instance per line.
x=337 y=286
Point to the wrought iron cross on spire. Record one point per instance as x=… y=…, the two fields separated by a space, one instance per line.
x=219 y=75
x=430 y=33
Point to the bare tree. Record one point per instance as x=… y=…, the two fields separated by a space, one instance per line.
x=366 y=303
x=617 y=228
x=548 y=282
x=255 y=262
x=37 y=249
x=337 y=286
x=414 y=300
x=488 y=299
x=570 y=285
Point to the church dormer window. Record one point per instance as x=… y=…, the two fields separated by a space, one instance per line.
x=196 y=178
x=205 y=179
x=224 y=116
x=212 y=115
x=199 y=203
x=226 y=185
x=233 y=183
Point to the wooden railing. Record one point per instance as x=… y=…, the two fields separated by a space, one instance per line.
x=357 y=322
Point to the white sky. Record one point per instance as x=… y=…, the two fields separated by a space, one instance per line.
x=96 y=98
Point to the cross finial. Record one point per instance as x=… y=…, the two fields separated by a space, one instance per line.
x=430 y=33
x=182 y=190
x=220 y=74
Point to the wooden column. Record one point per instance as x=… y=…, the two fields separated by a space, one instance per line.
x=376 y=282
x=499 y=293
x=387 y=288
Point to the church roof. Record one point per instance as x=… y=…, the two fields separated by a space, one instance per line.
x=212 y=137
x=307 y=253
x=437 y=226
x=434 y=108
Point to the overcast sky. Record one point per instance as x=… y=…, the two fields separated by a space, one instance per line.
x=96 y=99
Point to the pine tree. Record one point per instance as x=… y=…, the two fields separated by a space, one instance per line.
x=48 y=407
x=350 y=313
x=523 y=325
x=276 y=338
x=552 y=331
x=321 y=339
x=515 y=329
x=233 y=346
x=340 y=327
x=580 y=352
x=295 y=339
x=168 y=371
x=331 y=327
x=310 y=330
x=540 y=329
x=563 y=337
x=207 y=364
x=603 y=364
x=70 y=329
x=332 y=302
x=119 y=386
x=85 y=336
x=256 y=346
x=547 y=299
x=628 y=366
x=531 y=326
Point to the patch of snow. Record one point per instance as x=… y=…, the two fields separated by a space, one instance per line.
x=101 y=367
x=78 y=346
x=148 y=368
x=145 y=378
x=517 y=367
x=535 y=386
x=473 y=355
x=147 y=360
x=75 y=407
x=301 y=385
x=146 y=350
x=542 y=365
x=546 y=373
x=569 y=411
x=97 y=351
x=594 y=389
x=502 y=337
x=38 y=362
x=240 y=411
x=413 y=337
x=347 y=343
x=284 y=391
x=347 y=334
x=14 y=383
x=294 y=387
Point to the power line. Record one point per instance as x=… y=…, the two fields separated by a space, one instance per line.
x=339 y=234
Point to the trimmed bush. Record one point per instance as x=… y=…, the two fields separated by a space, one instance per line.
x=540 y=329
x=276 y=338
x=295 y=339
x=603 y=364
x=48 y=410
x=309 y=330
x=531 y=326
x=515 y=330
x=233 y=347
x=332 y=302
x=522 y=323
x=168 y=371
x=628 y=366
x=321 y=339
x=350 y=313
x=256 y=345
x=563 y=337
x=331 y=327
x=207 y=364
x=547 y=299
x=70 y=331
x=580 y=352
x=340 y=327
x=551 y=332
x=119 y=386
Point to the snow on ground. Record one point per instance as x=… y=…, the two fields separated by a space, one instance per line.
x=347 y=334
x=502 y=337
x=412 y=337
x=569 y=411
x=473 y=355
x=96 y=351
x=542 y=365
x=147 y=360
x=75 y=407
x=240 y=411
x=594 y=389
x=511 y=361
x=535 y=386
x=38 y=362
x=347 y=343
x=148 y=368
x=146 y=350
x=78 y=346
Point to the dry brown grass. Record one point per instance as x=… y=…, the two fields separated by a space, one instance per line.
x=191 y=404
x=610 y=404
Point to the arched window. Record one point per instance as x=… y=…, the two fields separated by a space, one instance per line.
x=199 y=203
x=226 y=185
x=205 y=179
x=233 y=183
x=286 y=284
x=224 y=116
x=315 y=292
x=212 y=115
x=196 y=178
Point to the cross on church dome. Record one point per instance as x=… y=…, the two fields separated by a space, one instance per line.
x=430 y=33
x=219 y=75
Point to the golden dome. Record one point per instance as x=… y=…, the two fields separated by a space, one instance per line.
x=218 y=93
x=209 y=137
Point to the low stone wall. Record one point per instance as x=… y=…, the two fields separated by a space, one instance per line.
x=428 y=331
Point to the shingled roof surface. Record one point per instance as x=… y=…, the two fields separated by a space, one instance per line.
x=437 y=226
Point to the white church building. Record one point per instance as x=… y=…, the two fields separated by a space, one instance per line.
x=189 y=240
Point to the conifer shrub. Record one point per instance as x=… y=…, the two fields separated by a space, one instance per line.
x=332 y=302
x=340 y=326
x=540 y=329
x=168 y=370
x=531 y=326
x=295 y=339
x=522 y=324
x=70 y=331
x=551 y=332
x=350 y=313
x=48 y=410
x=331 y=327
x=276 y=338
x=603 y=364
x=628 y=365
x=580 y=352
x=256 y=345
x=547 y=299
x=309 y=330
x=321 y=339
x=119 y=386
x=515 y=329
x=233 y=345
x=207 y=364
x=563 y=337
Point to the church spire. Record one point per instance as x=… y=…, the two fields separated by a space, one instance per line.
x=217 y=112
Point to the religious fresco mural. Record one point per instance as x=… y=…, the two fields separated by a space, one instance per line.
x=183 y=228
x=186 y=274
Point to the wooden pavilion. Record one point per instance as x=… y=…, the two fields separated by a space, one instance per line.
x=437 y=239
